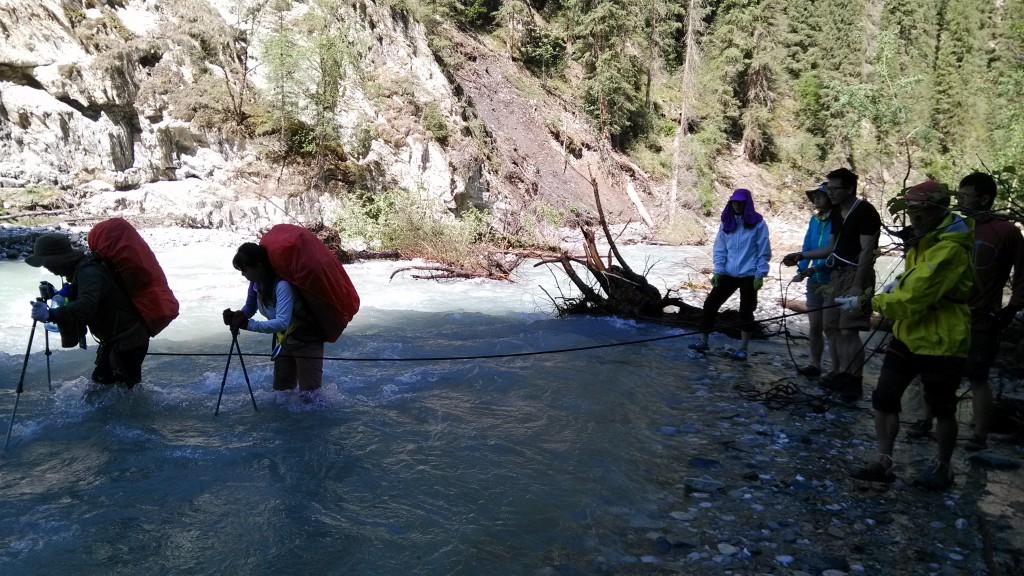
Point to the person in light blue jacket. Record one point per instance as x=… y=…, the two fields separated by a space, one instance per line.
x=817 y=273
x=741 y=255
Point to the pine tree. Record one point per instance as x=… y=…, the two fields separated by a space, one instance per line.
x=742 y=75
x=964 y=26
x=683 y=158
x=1006 y=82
x=281 y=58
x=841 y=64
x=802 y=37
x=611 y=85
x=661 y=21
x=913 y=25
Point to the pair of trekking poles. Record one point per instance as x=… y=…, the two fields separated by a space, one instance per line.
x=49 y=382
x=241 y=360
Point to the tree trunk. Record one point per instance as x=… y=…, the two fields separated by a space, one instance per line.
x=694 y=26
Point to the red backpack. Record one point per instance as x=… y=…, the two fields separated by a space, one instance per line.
x=119 y=245
x=302 y=259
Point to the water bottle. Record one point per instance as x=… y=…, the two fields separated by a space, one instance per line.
x=60 y=298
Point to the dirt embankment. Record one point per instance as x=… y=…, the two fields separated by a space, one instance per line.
x=544 y=149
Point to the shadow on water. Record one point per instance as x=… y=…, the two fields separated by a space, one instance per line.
x=402 y=467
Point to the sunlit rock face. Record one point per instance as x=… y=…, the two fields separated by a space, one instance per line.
x=100 y=97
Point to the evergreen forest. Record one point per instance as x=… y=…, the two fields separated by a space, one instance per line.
x=893 y=89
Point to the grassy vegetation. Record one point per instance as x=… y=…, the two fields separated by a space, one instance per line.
x=405 y=221
x=29 y=199
x=682 y=230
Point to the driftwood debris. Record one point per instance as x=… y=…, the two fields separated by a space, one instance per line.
x=612 y=287
x=33 y=214
x=495 y=265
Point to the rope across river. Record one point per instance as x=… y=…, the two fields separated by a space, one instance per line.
x=500 y=355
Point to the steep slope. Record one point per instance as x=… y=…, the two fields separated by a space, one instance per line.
x=544 y=149
x=136 y=107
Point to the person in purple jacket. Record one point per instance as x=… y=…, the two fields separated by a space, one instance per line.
x=741 y=254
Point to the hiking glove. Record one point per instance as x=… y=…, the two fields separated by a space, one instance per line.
x=239 y=320
x=40 y=311
x=848 y=303
x=714 y=279
x=758 y=282
x=227 y=314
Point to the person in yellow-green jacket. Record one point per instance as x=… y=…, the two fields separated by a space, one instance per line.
x=931 y=327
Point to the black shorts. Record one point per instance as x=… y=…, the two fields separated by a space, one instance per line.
x=982 y=355
x=940 y=376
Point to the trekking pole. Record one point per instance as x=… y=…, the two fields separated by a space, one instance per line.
x=225 y=378
x=234 y=345
x=241 y=360
x=49 y=381
x=21 y=384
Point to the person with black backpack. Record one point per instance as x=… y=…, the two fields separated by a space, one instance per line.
x=96 y=301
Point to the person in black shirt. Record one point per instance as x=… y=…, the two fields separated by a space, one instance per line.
x=851 y=253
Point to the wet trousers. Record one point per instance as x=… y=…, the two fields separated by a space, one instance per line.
x=301 y=364
x=117 y=366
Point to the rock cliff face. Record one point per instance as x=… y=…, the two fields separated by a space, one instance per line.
x=166 y=108
x=113 y=99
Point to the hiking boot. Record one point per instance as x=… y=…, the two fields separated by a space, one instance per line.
x=809 y=371
x=937 y=477
x=738 y=354
x=699 y=345
x=852 y=389
x=976 y=443
x=919 y=429
x=877 y=473
x=833 y=381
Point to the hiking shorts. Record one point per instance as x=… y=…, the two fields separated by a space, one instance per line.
x=816 y=294
x=940 y=376
x=982 y=354
x=841 y=284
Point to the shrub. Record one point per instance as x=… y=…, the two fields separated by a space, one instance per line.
x=435 y=123
x=404 y=221
x=543 y=52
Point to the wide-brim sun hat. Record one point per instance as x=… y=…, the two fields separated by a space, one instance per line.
x=821 y=189
x=53 y=250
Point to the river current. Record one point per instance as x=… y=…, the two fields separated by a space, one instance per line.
x=619 y=460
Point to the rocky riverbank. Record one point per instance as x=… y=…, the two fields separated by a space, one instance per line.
x=16 y=242
x=792 y=508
